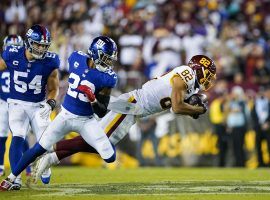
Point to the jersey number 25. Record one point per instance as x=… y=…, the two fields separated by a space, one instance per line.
x=74 y=82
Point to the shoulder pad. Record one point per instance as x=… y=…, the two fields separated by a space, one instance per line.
x=53 y=58
x=112 y=78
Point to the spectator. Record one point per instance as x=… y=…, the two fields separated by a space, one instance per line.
x=261 y=120
x=237 y=115
x=217 y=118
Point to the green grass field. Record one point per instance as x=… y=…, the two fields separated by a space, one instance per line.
x=82 y=183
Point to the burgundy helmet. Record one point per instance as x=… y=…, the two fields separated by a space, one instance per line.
x=205 y=70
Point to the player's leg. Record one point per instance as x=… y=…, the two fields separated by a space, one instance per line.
x=39 y=125
x=94 y=135
x=2 y=153
x=19 y=123
x=55 y=131
x=115 y=125
x=3 y=133
x=25 y=148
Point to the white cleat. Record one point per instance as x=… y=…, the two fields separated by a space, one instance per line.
x=42 y=168
x=46 y=176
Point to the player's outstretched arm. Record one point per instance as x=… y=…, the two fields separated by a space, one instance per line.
x=53 y=85
x=3 y=65
x=177 y=98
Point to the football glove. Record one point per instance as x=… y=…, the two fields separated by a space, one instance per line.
x=46 y=108
x=88 y=92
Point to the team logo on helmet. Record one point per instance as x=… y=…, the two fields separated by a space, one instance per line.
x=103 y=51
x=38 y=41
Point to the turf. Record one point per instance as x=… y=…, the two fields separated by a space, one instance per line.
x=82 y=183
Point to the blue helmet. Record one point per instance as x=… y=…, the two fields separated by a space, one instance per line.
x=38 y=41
x=14 y=40
x=103 y=51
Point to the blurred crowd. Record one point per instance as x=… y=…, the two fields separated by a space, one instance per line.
x=156 y=35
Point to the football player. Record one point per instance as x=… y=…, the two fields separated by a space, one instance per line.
x=34 y=87
x=94 y=72
x=9 y=40
x=169 y=91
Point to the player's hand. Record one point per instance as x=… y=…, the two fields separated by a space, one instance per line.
x=45 y=110
x=205 y=107
x=88 y=92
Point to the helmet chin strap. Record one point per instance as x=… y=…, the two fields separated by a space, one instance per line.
x=37 y=56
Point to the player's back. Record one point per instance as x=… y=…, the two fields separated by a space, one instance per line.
x=80 y=74
x=155 y=95
x=28 y=79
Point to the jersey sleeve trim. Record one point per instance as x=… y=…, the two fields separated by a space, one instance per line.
x=176 y=75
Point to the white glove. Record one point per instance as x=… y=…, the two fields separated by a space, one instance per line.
x=45 y=110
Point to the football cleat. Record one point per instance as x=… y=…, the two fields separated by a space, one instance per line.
x=17 y=184
x=41 y=168
x=46 y=176
x=6 y=185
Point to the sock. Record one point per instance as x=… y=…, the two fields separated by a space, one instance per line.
x=69 y=147
x=15 y=151
x=12 y=177
x=28 y=157
x=25 y=145
x=2 y=149
x=113 y=157
x=25 y=148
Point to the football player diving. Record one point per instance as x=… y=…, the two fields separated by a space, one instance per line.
x=169 y=91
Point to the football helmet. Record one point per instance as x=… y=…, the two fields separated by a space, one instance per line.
x=38 y=41
x=103 y=51
x=14 y=40
x=205 y=70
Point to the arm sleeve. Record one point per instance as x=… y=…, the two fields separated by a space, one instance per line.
x=100 y=106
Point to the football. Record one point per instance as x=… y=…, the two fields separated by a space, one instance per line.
x=197 y=99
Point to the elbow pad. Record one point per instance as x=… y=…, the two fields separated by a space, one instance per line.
x=100 y=106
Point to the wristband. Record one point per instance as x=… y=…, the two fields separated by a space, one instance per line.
x=52 y=103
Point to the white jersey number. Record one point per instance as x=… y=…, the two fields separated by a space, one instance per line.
x=21 y=86
x=6 y=87
x=76 y=82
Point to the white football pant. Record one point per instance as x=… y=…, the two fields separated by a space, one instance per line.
x=87 y=127
x=22 y=115
x=115 y=124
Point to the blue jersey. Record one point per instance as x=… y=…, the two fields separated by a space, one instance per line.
x=4 y=84
x=80 y=74
x=28 y=79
